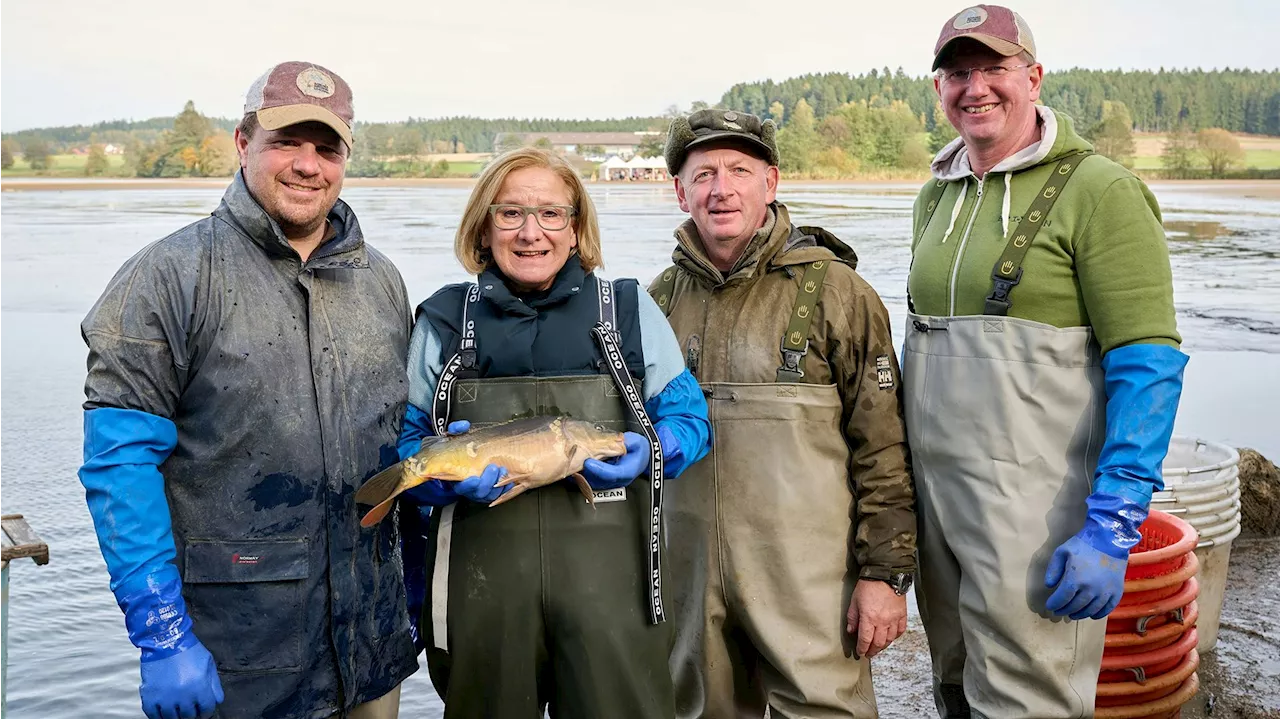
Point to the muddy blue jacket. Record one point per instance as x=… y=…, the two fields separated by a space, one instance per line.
x=286 y=383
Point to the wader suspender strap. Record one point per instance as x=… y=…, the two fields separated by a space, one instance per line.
x=608 y=308
x=622 y=377
x=464 y=359
x=1008 y=270
x=934 y=195
x=795 y=341
x=662 y=290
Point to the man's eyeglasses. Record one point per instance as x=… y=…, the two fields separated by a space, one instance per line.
x=960 y=77
x=549 y=217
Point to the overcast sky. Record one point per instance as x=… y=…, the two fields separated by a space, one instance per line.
x=64 y=62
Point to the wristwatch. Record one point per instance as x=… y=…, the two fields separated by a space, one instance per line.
x=900 y=581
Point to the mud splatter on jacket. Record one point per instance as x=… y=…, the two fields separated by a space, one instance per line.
x=731 y=326
x=286 y=381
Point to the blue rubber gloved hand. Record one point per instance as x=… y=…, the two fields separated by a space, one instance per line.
x=1143 y=383
x=482 y=489
x=182 y=686
x=619 y=471
x=433 y=492
x=1087 y=571
x=179 y=677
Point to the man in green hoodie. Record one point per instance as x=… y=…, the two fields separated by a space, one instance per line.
x=792 y=543
x=1042 y=374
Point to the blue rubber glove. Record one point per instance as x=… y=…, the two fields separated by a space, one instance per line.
x=433 y=492
x=619 y=471
x=179 y=677
x=1144 y=384
x=1087 y=571
x=481 y=489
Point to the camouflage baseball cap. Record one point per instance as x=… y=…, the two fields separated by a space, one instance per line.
x=999 y=28
x=712 y=125
x=294 y=92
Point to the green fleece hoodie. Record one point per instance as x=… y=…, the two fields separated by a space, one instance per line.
x=1100 y=260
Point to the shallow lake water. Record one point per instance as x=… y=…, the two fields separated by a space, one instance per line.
x=68 y=652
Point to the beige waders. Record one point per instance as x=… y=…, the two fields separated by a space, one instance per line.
x=760 y=572
x=1005 y=418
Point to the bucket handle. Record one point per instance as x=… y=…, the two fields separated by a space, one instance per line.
x=1176 y=614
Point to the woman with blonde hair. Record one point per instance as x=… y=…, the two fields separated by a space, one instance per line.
x=546 y=601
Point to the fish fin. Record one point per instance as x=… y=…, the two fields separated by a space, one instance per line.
x=585 y=487
x=516 y=490
x=430 y=441
x=376 y=514
x=381 y=486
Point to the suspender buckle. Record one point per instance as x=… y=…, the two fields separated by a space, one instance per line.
x=997 y=302
x=790 y=370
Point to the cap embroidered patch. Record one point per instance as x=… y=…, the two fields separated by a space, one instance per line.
x=315 y=83
x=970 y=18
x=884 y=372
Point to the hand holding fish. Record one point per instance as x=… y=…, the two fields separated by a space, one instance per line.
x=484 y=488
x=534 y=452
x=619 y=471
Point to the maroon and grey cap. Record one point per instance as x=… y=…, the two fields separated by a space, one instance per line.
x=999 y=28
x=294 y=92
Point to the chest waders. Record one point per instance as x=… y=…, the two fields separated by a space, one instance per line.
x=759 y=531
x=545 y=599
x=1005 y=418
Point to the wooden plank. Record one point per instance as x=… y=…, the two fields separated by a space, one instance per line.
x=21 y=541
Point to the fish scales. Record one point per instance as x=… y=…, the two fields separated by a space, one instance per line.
x=536 y=452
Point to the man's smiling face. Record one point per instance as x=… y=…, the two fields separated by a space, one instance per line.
x=295 y=173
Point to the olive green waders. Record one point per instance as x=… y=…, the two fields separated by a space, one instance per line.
x=759 y=534
x=1005 y=418
x=542 y=600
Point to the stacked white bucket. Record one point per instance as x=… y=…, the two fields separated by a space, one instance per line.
x=1202 y=486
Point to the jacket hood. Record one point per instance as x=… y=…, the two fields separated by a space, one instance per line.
x=343 y=248
x=1058 y=138
x=777 y=244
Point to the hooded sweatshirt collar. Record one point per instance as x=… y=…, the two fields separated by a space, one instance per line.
x=952 y=162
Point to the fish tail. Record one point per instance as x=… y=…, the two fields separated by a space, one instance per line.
x=381 y=486
x=376 y=514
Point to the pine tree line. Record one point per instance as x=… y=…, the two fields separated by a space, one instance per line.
x=1159 y=101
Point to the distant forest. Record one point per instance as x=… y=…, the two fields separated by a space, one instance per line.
x=1234 y=100
x=833 y=125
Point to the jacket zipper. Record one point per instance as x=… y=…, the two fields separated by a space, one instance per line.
x=964 y=238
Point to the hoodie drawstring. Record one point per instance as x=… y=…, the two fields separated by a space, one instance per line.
x=955 y=209
x=1004 y=206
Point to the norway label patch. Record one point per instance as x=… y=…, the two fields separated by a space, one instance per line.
x=610 y=495
x=884 y=372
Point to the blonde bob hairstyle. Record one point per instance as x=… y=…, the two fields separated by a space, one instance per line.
x=476 y=222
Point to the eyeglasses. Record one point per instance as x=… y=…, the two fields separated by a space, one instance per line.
x=960 y=77
x=549 y=217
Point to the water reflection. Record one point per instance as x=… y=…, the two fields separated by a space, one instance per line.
x=69 y=656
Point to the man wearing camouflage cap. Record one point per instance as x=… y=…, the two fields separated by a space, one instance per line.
x=1042 y=375
x=792 y=543
x=246 y=374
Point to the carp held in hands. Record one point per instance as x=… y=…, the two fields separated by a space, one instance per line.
x=536 y=452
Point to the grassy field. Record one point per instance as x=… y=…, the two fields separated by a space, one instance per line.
x=64 y=166
x=1261 y=152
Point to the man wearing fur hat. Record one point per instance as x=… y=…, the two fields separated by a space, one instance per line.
x=1042 y=376
x=792 y=543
